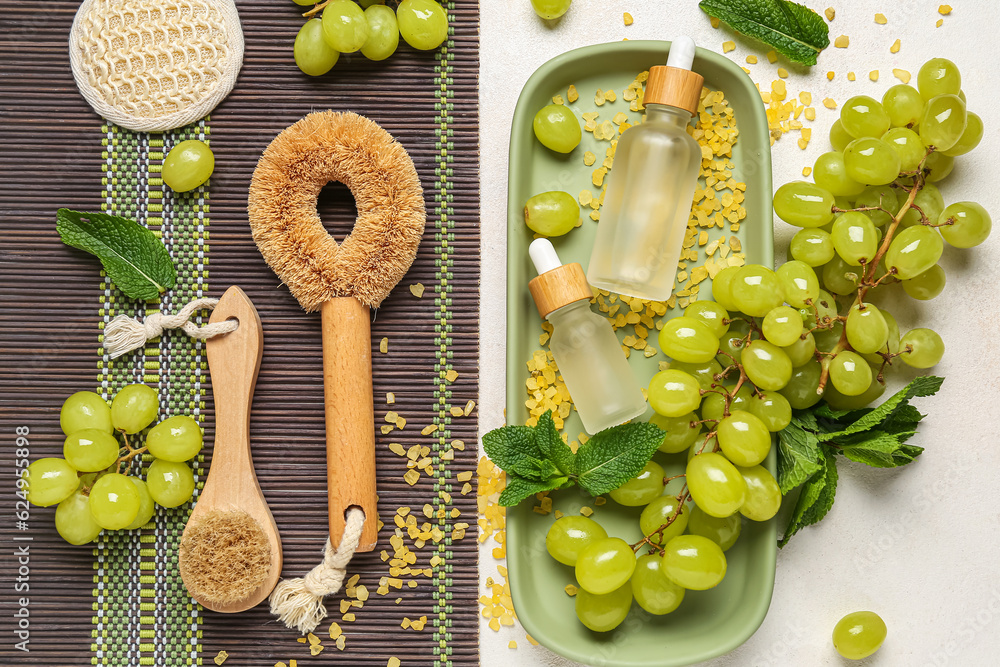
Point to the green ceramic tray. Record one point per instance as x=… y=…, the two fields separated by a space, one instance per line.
x=708 y=623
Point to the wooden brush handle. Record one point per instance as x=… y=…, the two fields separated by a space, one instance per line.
x=350 y=418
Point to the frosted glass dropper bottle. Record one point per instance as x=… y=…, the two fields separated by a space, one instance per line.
x=648 y=200
x=583 y=344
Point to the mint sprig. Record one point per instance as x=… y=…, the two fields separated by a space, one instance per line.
x=537 y=459
x=133 y=257
x=793 y=30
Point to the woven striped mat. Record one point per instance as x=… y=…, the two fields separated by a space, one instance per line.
x=120 y=601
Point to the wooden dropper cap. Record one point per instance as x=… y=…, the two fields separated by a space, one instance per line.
x=675 y=84
x=557 y=285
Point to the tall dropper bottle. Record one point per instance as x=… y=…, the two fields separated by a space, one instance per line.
x=648 y=200
x=583 y=344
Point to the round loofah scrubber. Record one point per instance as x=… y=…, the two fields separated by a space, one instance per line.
x=155 y=65
x=224 y=557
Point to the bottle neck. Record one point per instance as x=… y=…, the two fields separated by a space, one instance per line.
x=560 y=313
x=663 y=113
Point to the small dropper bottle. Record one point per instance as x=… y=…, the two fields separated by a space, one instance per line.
x=648 y=200
x=583 y=343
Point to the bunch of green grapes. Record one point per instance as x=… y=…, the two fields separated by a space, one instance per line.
x=369 y=27
x=92 y=486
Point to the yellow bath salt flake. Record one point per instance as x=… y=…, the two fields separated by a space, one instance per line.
x=619 y=118
x=390 y=398
x=417 y=290
x=221 y=657
x=842 y=42
x=456 y=412
x=851 y=77
x=571 y=94
x=458 y=444
x=427 y=430
x=280 y=664
x=411 y=477
x=598 y=176
x=393 y=662
x=610 y=95
x=830 y=13
x=881 y=19
x=344 y=606
x=944 y=10
x=383 y=346
x=571 y=590
x=873 y=75
x=600 y=500
x=806 y=98
x=894 y=48
x=829 y=76
x=301 y=640
x=586 y=511
x=349 y=616
x=340 y=643
x=782 y=72
x=810 y=113
x=806 y=171
x=772 y=57
x=599 y=97
x=362 y=593
x=902 y=75
x=469 y=407
x=714 y=21
x=557 y=99
x=829 y=103
x=728 y=46
x=752 y=59
x=391 y=417
x=940 y=22
x=512 y=643
x=451 y=375
x=586 y=196
x=293 y=663
x=335 y=630
x=495 y=624
x=400 y=423
x=313 y=639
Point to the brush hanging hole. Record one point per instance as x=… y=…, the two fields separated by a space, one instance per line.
x=337 y=210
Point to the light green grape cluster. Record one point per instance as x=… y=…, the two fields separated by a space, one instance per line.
x=91 y=485
x=369 y=27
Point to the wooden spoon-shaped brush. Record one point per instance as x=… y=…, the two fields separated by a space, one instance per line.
x=230 y=552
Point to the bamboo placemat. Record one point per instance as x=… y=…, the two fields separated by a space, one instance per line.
x=120 y=601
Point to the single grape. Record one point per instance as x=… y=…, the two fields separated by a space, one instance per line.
x=903 y=105
x=871 y=161
x=927 y=285
x=704 y=373
x=867 y=330
x=943 y=122
x=731 y=345
x=840 y=277
x=879 y=195
x=642 y=488
x=681 y=432
x=839 y=401
x=550 y=9
x=673 y=393
x=688 y=339
x=798 y=282
x=568 y=536
x=965 y=224
x=801 y=350
x=605 y=565
x=860 y=633
x=720 y=287
x=772 y=409
x=383 y=33
x=782 y=325
x=928 y=200
x=715 y=484
x=921 y=348
x=312 y=54
x=345 y=27
x=827 y=339
x=913 y=251
x=804 y=204
x=551 y=213
x=74 y=522
x=756 y=289
x=85 y=410
x=146 y=506
x=908 y=147
x=763 y=494
x=704 y=446
x=831 y=175
x=863 y=116
x=970 y=138
x=811 y=246
x=50 y=481
x=423 y=24
x=766 y=365
x=187 y=165
x=114 y=501
x=850 y=373
x=170 y=484
x=714 y=405
x=937 y=166
x=939 y=76
x=892 y=342
x=839 y=137
x=693 y=562
x=557 y=128
x=723 y=531
x=801 y=388
x=304 y=3
x=176 y=439
x=652 y=589
x=602 y=613
x=711 y=314
x=134 y=407
x=744 y=438
x=658 y=512
x=90 y=450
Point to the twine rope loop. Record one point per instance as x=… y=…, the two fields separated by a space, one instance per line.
x=124 y=334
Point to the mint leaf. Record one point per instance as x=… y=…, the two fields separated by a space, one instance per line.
x=793 y=30
x=551 y=445
x=926 y=385
x=513 y=448
x=816 y=498
x=518 y=488
x=799 y=456
x=906 y=454
x=616 y=455
x=133 y=257
x=876 y=450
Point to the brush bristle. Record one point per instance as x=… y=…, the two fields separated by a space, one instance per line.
x=336 y=146
x=224 y=556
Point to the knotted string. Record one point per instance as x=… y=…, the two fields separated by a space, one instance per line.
x=124 y=334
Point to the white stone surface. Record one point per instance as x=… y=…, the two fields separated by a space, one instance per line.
x=918 y=545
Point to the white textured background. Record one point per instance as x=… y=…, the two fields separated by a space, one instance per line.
x=919 y=545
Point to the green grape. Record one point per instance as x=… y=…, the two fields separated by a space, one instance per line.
x=801 y=350
x=704 y=373
x=709 y=444
x=863 y=116
x=605 y=565
x=114 y=501
x=850 y=373
x=798 y=282
x=839 y=137
x=602 y=613
x=879 y=195
x=74 y=522
x=723 y=531
x=801 y=388
x=146 y=506
x=840 y=277
x=782 y=325
x=867 y=330
x=830 y=174
x=970 y=138
x=551 y=213
x=423 y=24
x=714 y=405
x=772 y=409
x=744 y=438
x=892 y=343
x=681 y=432
x=345 y=27
x=763 y=494
x=304 y=3
x=187 y=165
x=921 y=348
x=673 y=393
x=715 y=484
x=839 y=401
x=693 y=562
x=943 y=122
x=85 y=410
x=568 y=536
x=90 y=450
x=928 y=200
x=803 y=204
x=937 y=166
x=688 y=339
x=557 y=128
x=651 y=588
x=939 y=76
x=641 y=489
x=720 y=287
x=860 y=633
x=927 y=285
x=170 y=484
x=854 y=238
x=913 y=251
x=871 y=161
x=711 y=314
x=732 y=343
x=811 y=246
x=383 y=33
x=176 y=439
x=658 y=512
x=766 y=365
x=50 y=481
x=903 y=105
x=550 y=9
x=134 y=407
x=970 y=224
x=908 y=147
x=827 y=339
x=756 y=289
x=312 y=54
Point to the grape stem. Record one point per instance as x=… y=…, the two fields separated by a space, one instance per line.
x=317 y=9
x=647 y=539
x=667 y=480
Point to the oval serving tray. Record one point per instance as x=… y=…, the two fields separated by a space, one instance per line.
x=708 y=623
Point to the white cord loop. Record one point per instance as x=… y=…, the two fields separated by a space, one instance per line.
x=124 y=334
